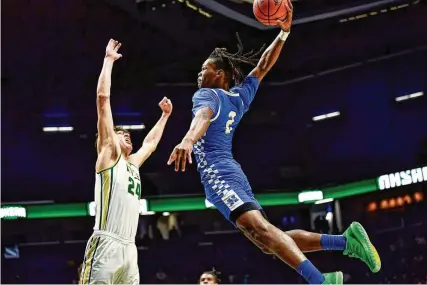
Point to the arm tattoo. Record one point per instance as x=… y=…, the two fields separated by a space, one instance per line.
x=204 y=115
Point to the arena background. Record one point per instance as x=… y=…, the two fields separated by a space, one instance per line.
x=365 y=59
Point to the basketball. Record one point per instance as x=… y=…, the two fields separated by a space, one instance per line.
x=267 y=12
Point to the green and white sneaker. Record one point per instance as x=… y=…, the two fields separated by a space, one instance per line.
x=333 y=278
x=359 y=246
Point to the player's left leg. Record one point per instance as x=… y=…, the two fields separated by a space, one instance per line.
x=306 y=241
x=354 y=243
x=359 y=246
x=131 y=271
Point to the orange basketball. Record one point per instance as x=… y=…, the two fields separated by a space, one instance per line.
x=267 y=12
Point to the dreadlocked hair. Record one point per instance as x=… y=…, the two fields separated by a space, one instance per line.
x=230 y=62
x=215 y=274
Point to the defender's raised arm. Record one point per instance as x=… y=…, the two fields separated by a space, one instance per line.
x=153 y=137
x=105 y=117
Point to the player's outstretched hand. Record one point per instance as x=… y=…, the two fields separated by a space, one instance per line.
x=181 y=154
x=112 y=50
x=166 y=106
x=286 y=24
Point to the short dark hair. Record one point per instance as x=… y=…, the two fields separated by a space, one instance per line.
x=214 y=273
x=230 y=62
x=116 y=130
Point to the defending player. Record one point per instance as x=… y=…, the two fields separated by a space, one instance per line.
x=111 y=255
x=218 y=106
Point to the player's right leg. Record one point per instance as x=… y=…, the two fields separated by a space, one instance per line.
x=102 y=262
x=258 y=244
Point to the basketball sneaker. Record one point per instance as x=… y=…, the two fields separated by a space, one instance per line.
x=359 y=246
x=333 y=278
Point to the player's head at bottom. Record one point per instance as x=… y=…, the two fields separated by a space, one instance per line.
x=210 y=277
x=223 y=69
x=124 y=139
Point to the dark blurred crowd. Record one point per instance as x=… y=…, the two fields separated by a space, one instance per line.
x=184 y=255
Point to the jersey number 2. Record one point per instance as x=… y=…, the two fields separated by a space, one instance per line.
x=131 y=187
x=228 y=127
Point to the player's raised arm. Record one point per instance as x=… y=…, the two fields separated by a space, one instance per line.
x=105 y=117
x=153 y=137
x=271 y=54
x=205 y=107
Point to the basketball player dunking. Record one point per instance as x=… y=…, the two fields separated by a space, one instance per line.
x=111 y=255
x=218 y=106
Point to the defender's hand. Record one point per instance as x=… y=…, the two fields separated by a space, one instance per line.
x=166 y=106
x=112 y=50
x=286 y=24
x=181 y=154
